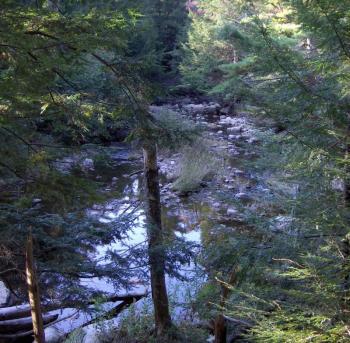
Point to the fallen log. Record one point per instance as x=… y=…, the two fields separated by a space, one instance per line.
x=20 y=334
x=14 y=312
x=15 y=321
x=116 y=310
x=21 y=311
x=107 y=299
x=23 y=324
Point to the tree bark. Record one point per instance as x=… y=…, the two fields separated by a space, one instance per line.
x=33 y=292
x=156 y=241
x=220 y=329
x=345 y=246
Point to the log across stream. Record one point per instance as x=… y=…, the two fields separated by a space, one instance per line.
x=16 y=321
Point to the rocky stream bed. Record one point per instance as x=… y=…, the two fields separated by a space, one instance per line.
x=217 y=203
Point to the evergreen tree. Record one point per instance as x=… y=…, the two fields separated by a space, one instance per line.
x=292 y=63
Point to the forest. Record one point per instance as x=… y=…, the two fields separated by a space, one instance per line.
x=174 y=171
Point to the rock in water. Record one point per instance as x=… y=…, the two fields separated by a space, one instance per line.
x=231 y=211
x=4 y=295
x=242 y=196
x=88 y=164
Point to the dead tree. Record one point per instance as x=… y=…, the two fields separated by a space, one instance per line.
x=33 y=293
x=156 y=240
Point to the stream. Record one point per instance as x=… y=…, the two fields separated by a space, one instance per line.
x=231 y=140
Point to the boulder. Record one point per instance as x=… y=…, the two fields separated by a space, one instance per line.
x=202 y=108
x=234 y=129
x=88 y=164
x=282 y=223
x=5 y=294
x=242 y=196
x=234 y=137
x=338 y=184
x=231 y=211
x=228 y=121
x=225 y=110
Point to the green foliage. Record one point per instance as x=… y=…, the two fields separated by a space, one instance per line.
x=57 y=90
x=137 y=326
x=289 y=60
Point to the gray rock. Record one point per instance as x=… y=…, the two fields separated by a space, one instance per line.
x=202 y=108
x=36 y=201
x=228 y=121
x=338 y=184
x=231 y=211
x=88 y=164
x=234 y=137
x=225 y=110
x=252 y=140
x=234 y=129
x=5 y=294
x=242 y=196
x=212 y=125
x=234 y=152
x=282 y=223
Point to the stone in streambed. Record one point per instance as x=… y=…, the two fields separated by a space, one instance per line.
x=243 y=196
x=5 y=294
x=231 y=211
x=88 y=164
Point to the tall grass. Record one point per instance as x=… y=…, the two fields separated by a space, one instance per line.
x=197 y=164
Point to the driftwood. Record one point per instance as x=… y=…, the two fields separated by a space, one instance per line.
x=13 y=312
x=16 y=321
x=117 y=309
x=21 y=311
x=21 y=324
x=30 y=332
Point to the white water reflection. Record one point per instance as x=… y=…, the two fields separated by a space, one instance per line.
x=182 y=220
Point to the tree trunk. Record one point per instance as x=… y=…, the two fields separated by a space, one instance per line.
x=33 y=292
x=155 y=241
x=220 y=329
x=345 y=247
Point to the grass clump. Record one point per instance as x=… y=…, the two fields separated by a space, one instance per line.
x=197 y=165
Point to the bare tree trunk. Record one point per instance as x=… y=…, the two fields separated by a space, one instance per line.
x=345 y=247
x=220 y=329
x=155 y=241
x=33 y=292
